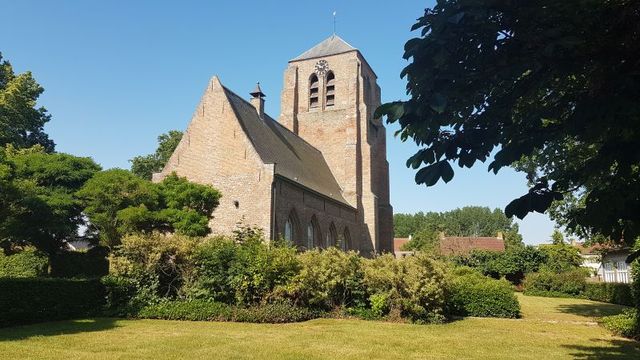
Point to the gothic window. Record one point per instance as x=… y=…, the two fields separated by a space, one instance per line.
x=291 y=228
x=346 y=240
x=332 y=236
x=330 y=92
x=313 y=234
x=314 y=91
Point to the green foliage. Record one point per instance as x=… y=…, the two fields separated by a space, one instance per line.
x=70 y=264
x=557 y=238
x=561 y=257
x=473 y=294
x=202 y=310
x=549 y=283
x=466 y=221
x=424 y=240
x=28 y=300
x=120 y=203
x=159 y=265
x=193 y=310
x=635 y=285
x=120 y=296
x=21 y=123
x=512 y=264
x=626 y=324
x=485 y=82
x=414 y=286
x=326 y=279
x=39 y=205
x=242 y=270
x=145 y=166
x=27 y=263
x=613 y=293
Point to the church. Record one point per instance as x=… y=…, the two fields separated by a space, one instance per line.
x=318 y=176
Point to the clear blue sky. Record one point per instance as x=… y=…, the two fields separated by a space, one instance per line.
x=119 y=73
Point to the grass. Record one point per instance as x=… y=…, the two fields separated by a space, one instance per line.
x=551 y=328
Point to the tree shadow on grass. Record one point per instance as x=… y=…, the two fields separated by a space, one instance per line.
x=606 y=349
x=56 y=328
x=595 y=310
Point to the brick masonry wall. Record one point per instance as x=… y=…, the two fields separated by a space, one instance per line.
x=215 y=151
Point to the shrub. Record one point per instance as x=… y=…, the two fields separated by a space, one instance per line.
x=568 y=283
x=473 y=294
x=512 y=264
x=241 y=273
x=202 y=310
x=193 y=310
x=414 y=286
x=561 y=257
x=27 y=263
x=274 y=313
x=120 y=296
x=626 y=324
x=613 y=293
x=326 y=279
x=92 y=263
x=159 y=265
x=29 y=300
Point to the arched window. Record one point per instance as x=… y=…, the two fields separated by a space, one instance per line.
x=314 y=91
x=346 y=240
x=330 y=92
x=291 y=228
x=332 y=236
x=313 y=233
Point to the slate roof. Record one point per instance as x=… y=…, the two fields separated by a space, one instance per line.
x=294 y=158
x=332 y=45
x=459 y=245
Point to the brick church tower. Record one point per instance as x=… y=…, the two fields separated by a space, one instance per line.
x=329 y=97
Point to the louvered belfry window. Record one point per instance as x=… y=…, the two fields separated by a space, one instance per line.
x=330 y=89
x=313 y=91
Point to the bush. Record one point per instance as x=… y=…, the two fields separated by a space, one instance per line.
x=30 y=300
x=70 y=264
x=202 y=310
x=473 y=294
x=613 y=293
x=159 y=265
x=626 y=324
x=242 y=273
x=27 y=263
x=512 y=264
x=326 y=279
x=193 y=310
x=547 y=283
x=274 y=313
x=414 y=286
x=120 y=296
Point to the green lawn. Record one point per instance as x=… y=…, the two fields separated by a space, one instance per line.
x=550 y=329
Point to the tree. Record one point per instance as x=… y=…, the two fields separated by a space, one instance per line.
x=119 y=203
x=557 y=238
x=21 y=123
x=145 y=166
x=561 y=258
x=554 y=82
x=466 y=221
x=38 y=202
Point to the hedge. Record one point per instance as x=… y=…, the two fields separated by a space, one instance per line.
x=29 y=300
x=574 y=284
x=473 y=294
x=77 y=264
x=203 y=310
x=27 y=263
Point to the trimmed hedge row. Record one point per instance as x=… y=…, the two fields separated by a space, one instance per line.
x=573 y=284
x=29 y=300
x=71 y=264
x=202 y=310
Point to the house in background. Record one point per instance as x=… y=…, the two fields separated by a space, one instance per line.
x=607 y=262
x=456 y=245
